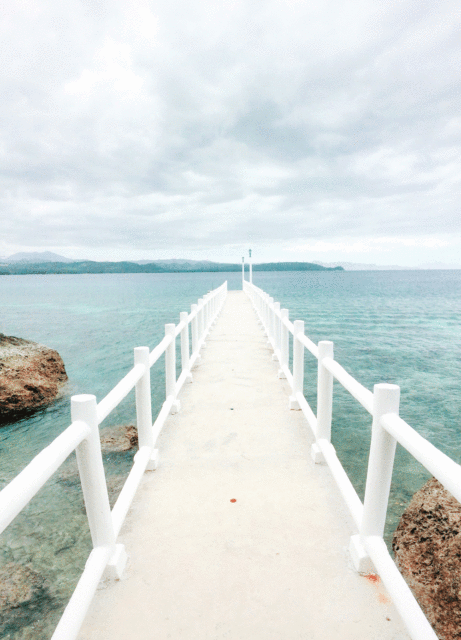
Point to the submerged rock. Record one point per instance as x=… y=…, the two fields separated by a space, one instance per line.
x=427 y=548
x=31 y=377
x=121 y=438
x=24 y=598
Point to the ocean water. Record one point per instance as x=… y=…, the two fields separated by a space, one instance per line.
x=401 y=327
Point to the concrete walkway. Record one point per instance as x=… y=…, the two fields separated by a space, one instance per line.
x=238 y=535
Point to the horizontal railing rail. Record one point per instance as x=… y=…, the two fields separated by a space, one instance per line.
x=107 y=557
x=368 y=549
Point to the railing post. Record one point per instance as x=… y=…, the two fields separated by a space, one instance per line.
x=386 y=399
x=276 y=355
x=185 y=356
x=194 y=329
x=144 y=407
x=271 y=322
x=170 y=368
x=266 y=314
x=284 y=343
x=324 y=399
x=94 y=487
x=212 y=307
x=207 y=311
x=201 y=321
x=298 y=364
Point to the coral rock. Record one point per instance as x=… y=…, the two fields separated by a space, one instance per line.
x=427 y=548
x=31 y=377
x=121 y=438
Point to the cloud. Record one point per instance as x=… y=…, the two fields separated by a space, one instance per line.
x=185 y=127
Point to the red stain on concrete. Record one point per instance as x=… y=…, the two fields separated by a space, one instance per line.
x=372 y=577
x=233 y=500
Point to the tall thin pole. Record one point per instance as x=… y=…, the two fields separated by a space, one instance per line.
x=243 y=271
x=251 y=269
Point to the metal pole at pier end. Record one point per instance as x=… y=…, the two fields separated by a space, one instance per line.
x=251 y=268
x=243 y=272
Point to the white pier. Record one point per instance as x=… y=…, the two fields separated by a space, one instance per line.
x=238 y=534
x=237 y=520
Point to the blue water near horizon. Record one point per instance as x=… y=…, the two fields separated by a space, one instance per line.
x=401 y=327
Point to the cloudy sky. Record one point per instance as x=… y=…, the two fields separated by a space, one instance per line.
x=314 y=131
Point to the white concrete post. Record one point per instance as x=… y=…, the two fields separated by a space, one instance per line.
x=201 y=320
x=251 y=267
x=266 y=314
x=213 y=300
x=386 y=398
x=194 y=328
x=298 y=364
x=185 y=355
x=284 y=344
x=207 y=311
x=271 y=321
x=170 y=368
x=94 y=487
x=144 y=407
x=324 y=399
x=276 y=330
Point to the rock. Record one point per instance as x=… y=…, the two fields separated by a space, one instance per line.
x=31 y=377
x=19 y=585
x=121 y=438
x=24 y=598
x=113 y=440
x=427 y=548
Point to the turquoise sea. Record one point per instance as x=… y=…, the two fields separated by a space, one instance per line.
x=401 y=327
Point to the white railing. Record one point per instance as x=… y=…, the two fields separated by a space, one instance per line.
x=107 y=557
x=367 y=548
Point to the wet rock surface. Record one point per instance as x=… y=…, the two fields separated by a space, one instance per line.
x=24 y=597
x=427 y=547
x=31 y=377
x=120 y=438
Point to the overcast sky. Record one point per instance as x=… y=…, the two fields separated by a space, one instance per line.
x=314 y=131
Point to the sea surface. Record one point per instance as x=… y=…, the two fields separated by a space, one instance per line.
x=401 y=327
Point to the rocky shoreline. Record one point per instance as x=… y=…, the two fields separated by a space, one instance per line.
x=31 y=377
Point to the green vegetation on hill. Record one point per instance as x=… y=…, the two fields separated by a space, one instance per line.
x=181 y=266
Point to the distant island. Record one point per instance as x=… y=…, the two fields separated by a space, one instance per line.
x=25 y=266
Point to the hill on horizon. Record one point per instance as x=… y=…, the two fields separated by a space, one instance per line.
x=36 y=257
x=27 y=263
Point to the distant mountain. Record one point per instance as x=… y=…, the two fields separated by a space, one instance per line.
x=36 y=257
x=360 y=266
x=23 y=267
x=183 y=265
x=439 y=265
x=294 y=266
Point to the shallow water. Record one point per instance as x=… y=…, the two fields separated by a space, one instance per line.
x=399 y=327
